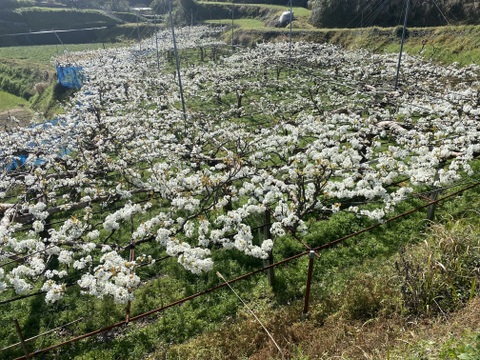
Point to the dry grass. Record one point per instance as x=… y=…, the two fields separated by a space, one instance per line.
x=369 y=318
x=338 y=337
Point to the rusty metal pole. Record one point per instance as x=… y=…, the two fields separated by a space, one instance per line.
x=22 y=340
x=311 y=256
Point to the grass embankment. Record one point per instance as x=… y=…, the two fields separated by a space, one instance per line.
x=43 y=18
x=449 y=44
x=9 y=101
x=446 y=45
x=39 y=18
x=28 y=74
x=256 y=23
x=14 y=110
x=252 y=17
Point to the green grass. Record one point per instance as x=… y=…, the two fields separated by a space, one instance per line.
x=297 y=11
x=9 y=101
x=27 y=65
x=255 y=16
x=242 y=23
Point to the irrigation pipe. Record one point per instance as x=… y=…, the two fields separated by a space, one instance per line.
x=244 y=276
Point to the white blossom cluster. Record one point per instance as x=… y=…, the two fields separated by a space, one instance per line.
x=271 y=135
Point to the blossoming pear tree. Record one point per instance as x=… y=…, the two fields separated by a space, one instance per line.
x=271 y=134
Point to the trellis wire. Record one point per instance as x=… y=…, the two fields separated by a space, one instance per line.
x=247 y=275
x=127 y=247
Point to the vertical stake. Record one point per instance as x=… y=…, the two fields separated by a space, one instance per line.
x=434 y=196
x=175 y=51
x=291 y=21
x=401 y=46
x=22 y=340
x=233 y=18
x=311 y=255
x=138 y=32
x=130 y=258
x=269 y=261
x=156 y=42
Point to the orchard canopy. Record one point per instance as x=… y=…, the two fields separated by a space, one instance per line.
x=272 y=135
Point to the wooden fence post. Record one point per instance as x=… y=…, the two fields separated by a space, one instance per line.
x=131 y=258
x=268 y=261
x=22 y=340
x=434 y=196
x=311 y=255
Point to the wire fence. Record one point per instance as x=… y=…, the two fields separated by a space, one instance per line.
x=308 y=252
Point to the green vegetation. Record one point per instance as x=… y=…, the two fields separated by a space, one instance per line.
x=9 y=101
x=27 y=72
x=419 y=302
x=364 y=290
x=38 y=18
x=361 y=300
x=19 y=78
x=361 y=13
x=25 y=20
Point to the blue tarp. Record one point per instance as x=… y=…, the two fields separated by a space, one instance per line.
x=70 y=76
x=20 y=159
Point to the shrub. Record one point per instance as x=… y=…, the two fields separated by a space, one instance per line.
x=398 y=32
x=441 y=274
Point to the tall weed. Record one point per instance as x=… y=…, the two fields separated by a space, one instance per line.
x=441 y=274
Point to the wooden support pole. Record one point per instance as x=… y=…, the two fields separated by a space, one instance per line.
x=268 y=261
x=22 y=340
x=177 y=61
x=311 y=256
x=233 y=19
x=434 y=195
x=156 y=42
x=131 y=258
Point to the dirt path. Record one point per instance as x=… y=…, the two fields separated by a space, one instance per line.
x=15 y=117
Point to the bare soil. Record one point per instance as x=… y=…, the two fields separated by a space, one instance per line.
x=15 y=117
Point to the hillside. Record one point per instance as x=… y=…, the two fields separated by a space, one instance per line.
x=33 y=25
x=309 y=146
x=138 y=212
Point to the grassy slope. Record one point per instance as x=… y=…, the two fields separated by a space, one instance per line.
x=9 y=101
x=42 y=18
x=331 y=329
x=40 y=59
x=442 y=44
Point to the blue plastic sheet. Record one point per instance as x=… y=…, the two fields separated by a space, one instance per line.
x=20 y=159
x=70 y=76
